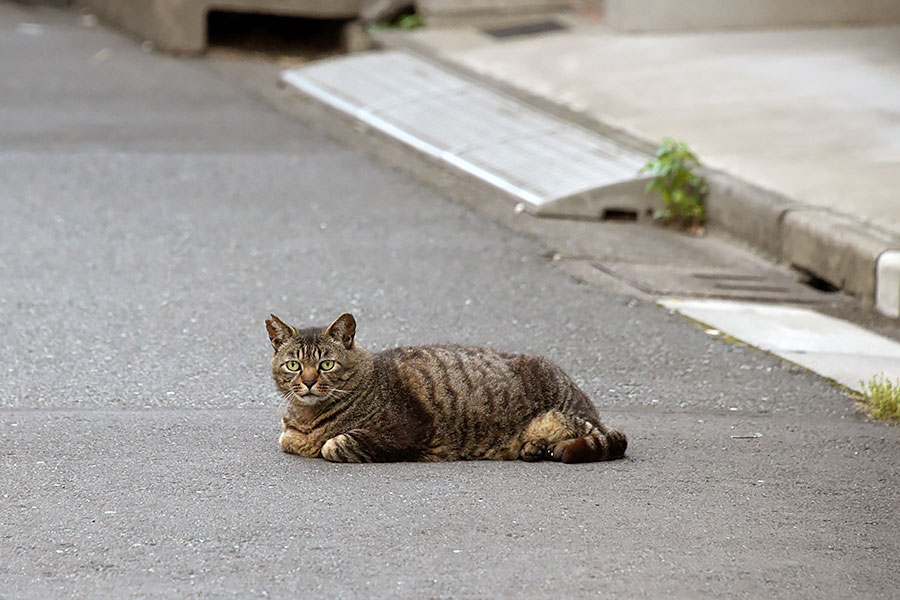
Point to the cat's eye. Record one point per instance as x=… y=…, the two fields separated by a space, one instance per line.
x=292 y=365
x=326 y=365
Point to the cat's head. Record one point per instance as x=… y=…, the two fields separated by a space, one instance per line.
x=314 y=364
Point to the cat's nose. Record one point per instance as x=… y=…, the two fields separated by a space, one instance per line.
x=308 y=382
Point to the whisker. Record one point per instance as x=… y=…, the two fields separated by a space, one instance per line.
x=286 y=398
x=339 y=390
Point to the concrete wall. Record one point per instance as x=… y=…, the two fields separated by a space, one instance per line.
x=180 y=25
x=686 y=15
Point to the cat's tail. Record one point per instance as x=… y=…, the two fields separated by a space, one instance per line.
x=600 y=444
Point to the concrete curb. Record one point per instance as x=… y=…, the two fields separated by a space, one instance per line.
x=836 y=248
x=747 y=211
x=887 y=283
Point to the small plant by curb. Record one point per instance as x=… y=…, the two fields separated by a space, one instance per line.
x=403 y=21
x=881 y=399
x=682 y=189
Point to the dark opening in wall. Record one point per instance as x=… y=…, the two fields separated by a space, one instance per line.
x=275 y=34
x=814 y=281
x=619 y=214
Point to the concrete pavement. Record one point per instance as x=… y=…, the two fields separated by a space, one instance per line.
x=202 y=505
x=807 y=118
x=152 y=214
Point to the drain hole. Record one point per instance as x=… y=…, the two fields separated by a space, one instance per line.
x=814 y=281
x=275 y=34
x=617 y=214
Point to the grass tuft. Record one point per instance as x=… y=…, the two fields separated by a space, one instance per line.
x=881 y=399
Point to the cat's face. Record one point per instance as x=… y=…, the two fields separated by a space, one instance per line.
x=316 y=364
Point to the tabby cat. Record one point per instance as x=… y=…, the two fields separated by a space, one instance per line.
x=429 y=403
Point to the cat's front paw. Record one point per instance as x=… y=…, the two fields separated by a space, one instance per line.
x=340 y=448
x=294 y=442
x=533 y=450
x=288 y=440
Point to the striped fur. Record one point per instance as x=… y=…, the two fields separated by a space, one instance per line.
x=428 y=403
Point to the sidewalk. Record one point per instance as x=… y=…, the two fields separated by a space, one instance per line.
x=808 y=118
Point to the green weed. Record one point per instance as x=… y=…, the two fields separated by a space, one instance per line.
x=403 y=21
x=676 y=180
x=410 y=21
x=881 y=398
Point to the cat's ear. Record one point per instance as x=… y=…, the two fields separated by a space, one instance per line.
x=279 y=331
x=343 y=329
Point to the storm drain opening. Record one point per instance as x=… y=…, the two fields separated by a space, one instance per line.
x=619 y=214
x=812 y=280
x=280 y=35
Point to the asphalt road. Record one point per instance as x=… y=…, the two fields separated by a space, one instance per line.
x=152 y=215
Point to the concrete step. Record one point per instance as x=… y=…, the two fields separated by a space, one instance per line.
x=550 y=166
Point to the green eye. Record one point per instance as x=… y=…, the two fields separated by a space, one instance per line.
x=292 y=365
x=326 y=365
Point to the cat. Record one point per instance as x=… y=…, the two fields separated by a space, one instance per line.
x=428 y=403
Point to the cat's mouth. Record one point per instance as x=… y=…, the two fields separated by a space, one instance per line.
x=306 y=396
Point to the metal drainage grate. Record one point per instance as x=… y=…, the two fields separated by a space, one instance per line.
x=526 y=29
x=669 y=280
x=552 y=166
